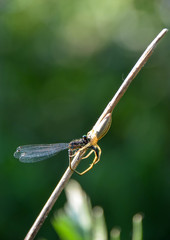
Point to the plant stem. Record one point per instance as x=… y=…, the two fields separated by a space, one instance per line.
x=109 y=108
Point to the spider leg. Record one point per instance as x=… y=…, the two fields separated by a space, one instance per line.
x=88 y=154
x=71 y=154
x=88 y=145
x=81 y=173
x=95 y=160
x=97 y=151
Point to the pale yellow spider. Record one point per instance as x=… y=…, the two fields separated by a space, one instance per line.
x=89 y=141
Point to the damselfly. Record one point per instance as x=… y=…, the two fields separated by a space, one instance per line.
x=39 y=152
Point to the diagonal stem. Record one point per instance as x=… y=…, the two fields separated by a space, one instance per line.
x=140 y=63
x=109 y=108
x=52 y=199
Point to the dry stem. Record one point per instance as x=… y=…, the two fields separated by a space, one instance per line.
x=65 y=178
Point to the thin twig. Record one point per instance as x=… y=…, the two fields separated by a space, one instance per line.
x=52 y=199
x=68 y=173
x=140 y=63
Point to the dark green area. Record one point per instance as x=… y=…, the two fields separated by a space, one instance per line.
x=60 y=64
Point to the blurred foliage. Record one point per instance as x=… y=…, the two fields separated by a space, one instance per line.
x=78 y=221
x=60 y=63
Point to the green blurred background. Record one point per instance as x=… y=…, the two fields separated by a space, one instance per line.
x=60 y=64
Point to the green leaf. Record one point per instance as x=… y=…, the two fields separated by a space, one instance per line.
x=137 y=227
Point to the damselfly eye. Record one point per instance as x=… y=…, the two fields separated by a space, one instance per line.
x=85 y=137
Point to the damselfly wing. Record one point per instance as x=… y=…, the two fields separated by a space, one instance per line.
x=39 y=152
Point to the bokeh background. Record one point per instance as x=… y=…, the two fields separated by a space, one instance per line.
x=60 y=64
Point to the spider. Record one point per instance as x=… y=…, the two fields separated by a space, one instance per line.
x=89 y=141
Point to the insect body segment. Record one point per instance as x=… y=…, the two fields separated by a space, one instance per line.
x=79 y=143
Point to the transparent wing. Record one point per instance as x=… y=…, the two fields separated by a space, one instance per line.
x=35 y=153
